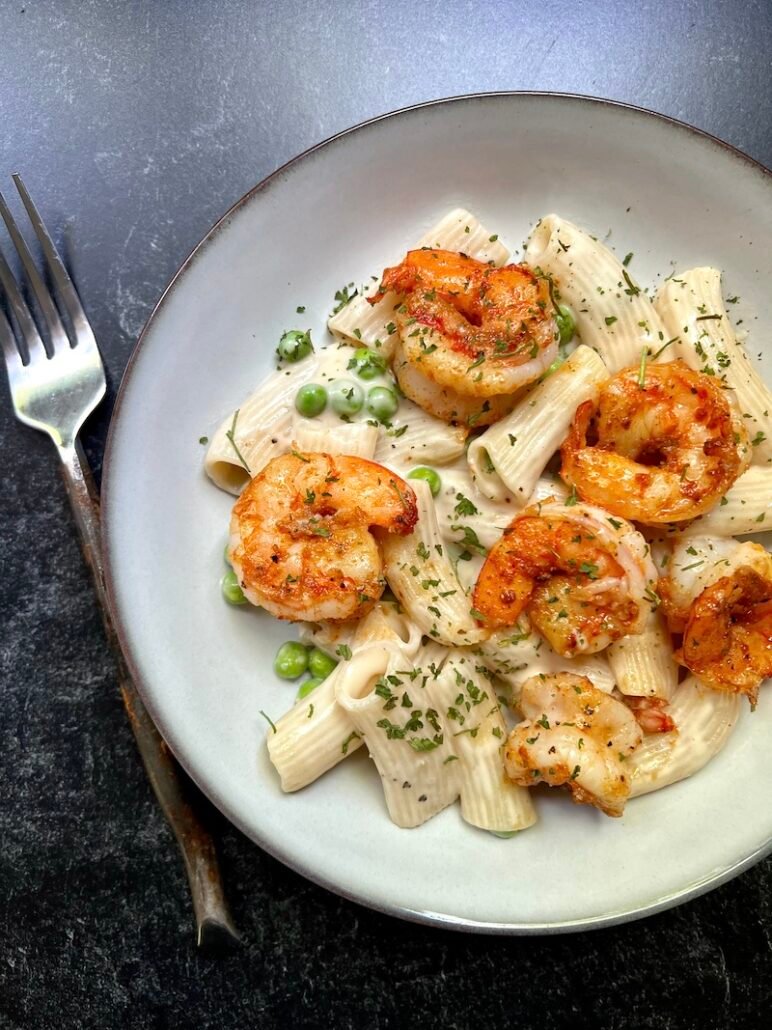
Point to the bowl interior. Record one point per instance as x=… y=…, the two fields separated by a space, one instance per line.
x=675 y=199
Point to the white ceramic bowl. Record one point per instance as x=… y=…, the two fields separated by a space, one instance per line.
x=675 y=197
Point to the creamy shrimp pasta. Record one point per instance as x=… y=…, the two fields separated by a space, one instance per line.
x=506 y=505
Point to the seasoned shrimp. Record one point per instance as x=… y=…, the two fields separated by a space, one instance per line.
x=728 y=637
x=698 y=562
x=444 y=403
x=719 y=595
x=662 y=444
x=477 y=330
x=302 y=535
x=574 y=735
x=584 y=579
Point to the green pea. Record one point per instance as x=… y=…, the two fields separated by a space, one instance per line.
x=346 y=396
x=504 y=834
x=308 y=685
x=565 y=322
x=295 y=345
x=320 y=665
x=291 y=660
x=367 y=363
x=382 y=402
x=226 y=554
x=311 y=400
x=429 y=476
x=231 y=590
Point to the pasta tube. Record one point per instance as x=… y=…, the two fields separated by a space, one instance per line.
x=421 y=574
x=354 y=438
x=398 y=717
x=415 y=436
x=516 y=654
x=435 y=732
x=312 y=737
x=745 y=508
x=691 y=307
x=510 y=456
x=259 y=430
x=642 y=663
x=612 y=314
x=316 y=733
x=489 y=800
x=705 y=719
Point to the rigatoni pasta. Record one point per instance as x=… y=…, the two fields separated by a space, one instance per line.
x=257 y=431
x=613 y=314
x=691 y=306
x=705 y=719
x=488 y=800
x=416 y=437
x=745 y=508
x=643 y=664
x=512 y=454
x=397 y=711
x=421 y=574
x=357 y=438
x=316 y=733
x=512 y=656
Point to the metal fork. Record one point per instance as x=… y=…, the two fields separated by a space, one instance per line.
x=54 y=388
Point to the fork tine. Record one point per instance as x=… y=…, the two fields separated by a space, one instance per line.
x=10 y=350
x=35 y=349
x=59 y=274
x=56 y=330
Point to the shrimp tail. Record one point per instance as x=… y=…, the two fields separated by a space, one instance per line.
x=649 y=713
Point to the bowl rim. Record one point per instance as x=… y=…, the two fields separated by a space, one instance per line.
x=435 y=919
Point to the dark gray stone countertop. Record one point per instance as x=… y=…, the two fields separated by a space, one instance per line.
x=136 y=125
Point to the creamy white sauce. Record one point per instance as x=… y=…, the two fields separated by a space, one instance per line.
x=333 y=364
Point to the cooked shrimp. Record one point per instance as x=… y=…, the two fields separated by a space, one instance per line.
x=722 y=603
x=472 y=328
x=444 y=403
x=584 y=578
x=662 y=444
x=698 y=562
x=728 y=637
x=574 y=735
x=649 y=712
x=302 y=535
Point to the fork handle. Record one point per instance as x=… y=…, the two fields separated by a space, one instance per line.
x=171 y=786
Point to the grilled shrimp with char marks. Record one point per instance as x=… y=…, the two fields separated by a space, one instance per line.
x=584 y=578
x=661 y=445
x=303 y=534
x=474 y=329
x=576 y=736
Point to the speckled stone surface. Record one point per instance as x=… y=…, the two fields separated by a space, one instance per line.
x=136 y=125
